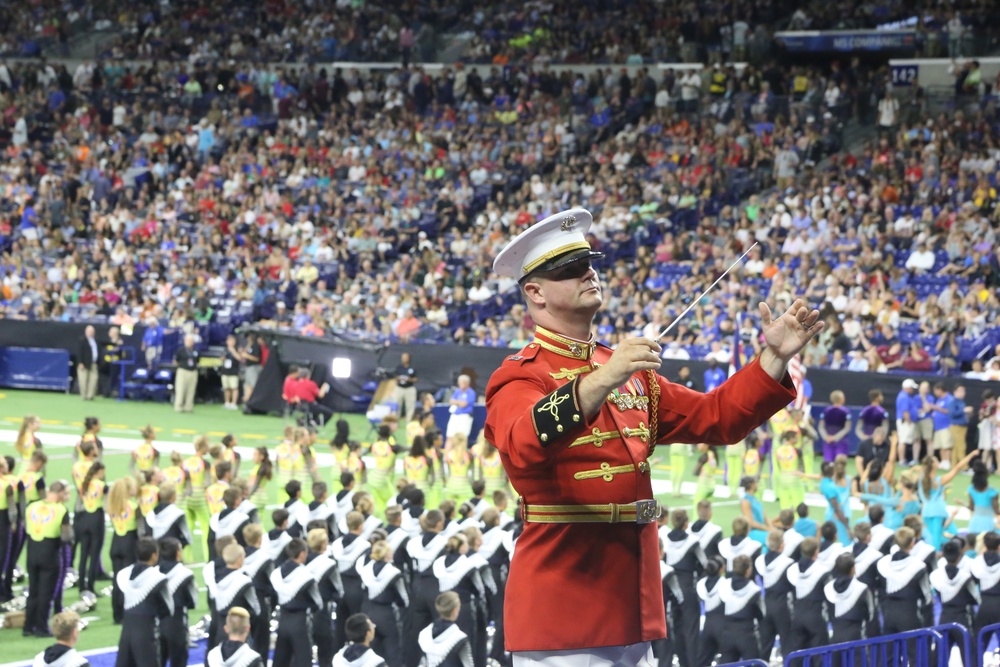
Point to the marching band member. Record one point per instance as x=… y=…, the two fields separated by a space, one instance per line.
x=184 y=592
x=907 y=588
x=147 y=600
x=298 y=510
x=790 y=538
x=30 y=488
x=423 y=551
x=708 y=590
x=298 y=595
x=809 y=621
x=347 y=551
x=66 y=631
x=865 y=560
x=395 y=535
x=343 y=502
x=742 y=612
x=258 y=565
x=739 y=544
x=709 y=534
x=443 y=642
x=497 y=547
x=778 y=594
x=208 y=574
x=461 y=571
x=278 y=537
x=986 y=569
x=852 y=602
x=320 y=510
x=956 y=587
x=331 y=591
x=233 y=588
x=684 y=553
x=829 y=546
x=882 y=537
x=233 y=651
x=167 y=519
x=384 y=601
x=230 y=520
x=360 y=633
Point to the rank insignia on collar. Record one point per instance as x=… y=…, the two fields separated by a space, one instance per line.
x=515 y=357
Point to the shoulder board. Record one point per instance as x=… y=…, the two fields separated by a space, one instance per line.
x=526 y=354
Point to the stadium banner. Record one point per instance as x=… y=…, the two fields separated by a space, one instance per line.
x=840 y=41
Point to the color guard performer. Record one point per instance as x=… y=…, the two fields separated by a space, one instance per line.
x=49 y=536
x=123 y=511
x=8 y=522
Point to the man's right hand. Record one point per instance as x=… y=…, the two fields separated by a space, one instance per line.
x=633 y=355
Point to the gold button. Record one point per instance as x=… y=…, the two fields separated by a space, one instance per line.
x=544 y=437
x=643 y=467
x=559 y=427
x=576 y=418
x=532 y=346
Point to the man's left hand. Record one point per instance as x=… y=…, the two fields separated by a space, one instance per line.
x=788 y=335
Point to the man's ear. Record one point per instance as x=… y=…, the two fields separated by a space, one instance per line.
x=533 y=293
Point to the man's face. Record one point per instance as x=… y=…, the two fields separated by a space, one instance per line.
x=572 y=288
x=89 y=332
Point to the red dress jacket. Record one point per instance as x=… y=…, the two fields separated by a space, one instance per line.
x=588 y=585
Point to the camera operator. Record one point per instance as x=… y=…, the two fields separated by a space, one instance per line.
x=405 y=395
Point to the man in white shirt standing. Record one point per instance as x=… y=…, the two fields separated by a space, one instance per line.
x=888 y=112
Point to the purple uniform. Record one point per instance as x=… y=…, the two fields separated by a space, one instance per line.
x=834 y=418
x=872 y=416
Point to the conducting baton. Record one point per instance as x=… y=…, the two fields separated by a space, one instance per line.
x=702 y=295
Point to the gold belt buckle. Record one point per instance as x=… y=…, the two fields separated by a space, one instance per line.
x=646 y=511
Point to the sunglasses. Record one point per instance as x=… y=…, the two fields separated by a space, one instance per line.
x=572 y=271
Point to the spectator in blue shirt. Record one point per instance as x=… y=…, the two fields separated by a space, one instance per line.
x=29 y=220
x=463 y=398
x=941 y=409
x=714 y=376
x=152 y=341
x=907 y=407
x=959 y=416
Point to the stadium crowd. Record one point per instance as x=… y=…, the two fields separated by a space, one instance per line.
x=376 y=542
x=379 y=219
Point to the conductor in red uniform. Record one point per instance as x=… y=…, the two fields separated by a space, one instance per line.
x=575 y=423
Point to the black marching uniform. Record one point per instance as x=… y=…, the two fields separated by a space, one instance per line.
x=684 y=553
x=320 y=511
x=423 y=550
x=663 y=649
x=742 y=608
x=956 y=587
x=709 y=535
x=230 y=521
x=147 y=600
x=778 y=596
x=331 y=591
x=298 y=596
x=183 y=590
x=232 y=653
x=60 y=655
x=469 y=576
x=168 y=521
x=986 y=569
x=258 y=565
x=715 y=624
x=277 y=540
x=497 y=547
x=738 y=545
x=348 y=551
x=809 y=620
x=384 y=601
x=792 y=541
x=853 y=609
x=882 y=539
x=907 y=592
x=866 y=559
x=445 y=645
x=358 y=655
x=233 y=588
x=208 y=575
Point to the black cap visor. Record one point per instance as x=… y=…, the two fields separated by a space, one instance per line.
x=562 y=261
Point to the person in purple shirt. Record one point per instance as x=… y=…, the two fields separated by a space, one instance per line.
x=834 y=427
x=872 y=416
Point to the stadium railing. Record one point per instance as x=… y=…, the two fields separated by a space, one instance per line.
x=923 y=648
x=745 y=663
x=986 y=635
